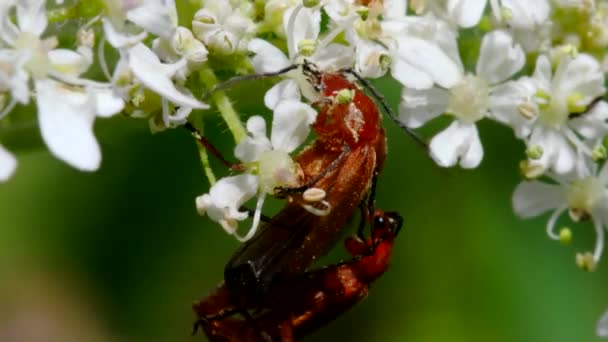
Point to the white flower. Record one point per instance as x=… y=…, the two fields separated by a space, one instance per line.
x=529 y=22
x=468 y=101
x=466 y=13
x=576 y=83
x=158 y=17
x=65 y=125
x=224 y=28
x=463 y=13
x=224 y=200
x=302 y=27
x=584 y=195
x=416 y=49
x=268 y=162
x=155 y=75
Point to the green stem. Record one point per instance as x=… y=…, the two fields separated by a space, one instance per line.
x=202 y=152
x=224 y=106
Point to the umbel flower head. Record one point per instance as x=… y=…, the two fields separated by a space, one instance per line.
x=536 y=67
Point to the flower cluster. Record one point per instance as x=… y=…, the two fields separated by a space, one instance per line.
x=537 y=67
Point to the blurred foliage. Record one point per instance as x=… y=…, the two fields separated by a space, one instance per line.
x=120 y=254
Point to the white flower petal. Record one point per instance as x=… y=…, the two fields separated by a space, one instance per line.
x=69 y=62
x=107 y=102
x=531 y=199
x=419 y=106
x=527 y=14
x=499 y=58
x=8 y=164
x=256 y=125
x=250 y=148
x=285 y=90
x=66 y=124
x=31 y=16
x=268 y=58
x=581 y=75
x=410 y=76
x=369 y=58
x=306 y=25
x=334 y=57
x=291 y=124
x=460 y=141
x=157 y=76
x=118 y=39
x=158 y=17
x=593 y=124
x=394 y=9
x=467 y=13
x=225 y=198
x=431 y=60
x=542 y=73
x=558 y=154
x=602 y=325
x=15 y=77
x=504 y=105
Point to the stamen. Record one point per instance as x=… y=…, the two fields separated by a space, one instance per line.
x=551 y=224
x=599 y=239
x=256 y=220
x=102 y=58
x=565 y=236
x=9 y=108
x=314 y=195
x=585 y=261
x=316 y=211
x=534 y=152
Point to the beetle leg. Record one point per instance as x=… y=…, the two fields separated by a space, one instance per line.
x=368 y=206
x=212 y=149
x=256 y=326
x=237 y=79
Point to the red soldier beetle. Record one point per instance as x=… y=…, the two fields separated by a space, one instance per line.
x=298 y=306
x=343 y=161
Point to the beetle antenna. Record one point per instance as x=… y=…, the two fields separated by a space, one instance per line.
x=387 y=109
x=237 y=79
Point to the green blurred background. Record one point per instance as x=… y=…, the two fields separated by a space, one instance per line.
x=120 y=254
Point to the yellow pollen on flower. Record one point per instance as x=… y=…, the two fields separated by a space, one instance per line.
x=385 y=61
x=534 y=152
x=542 y=99
x=306 y=47
x=565 y=235
x=530 y=170
x=574 y=103
x=310 y=3
x=586 y=262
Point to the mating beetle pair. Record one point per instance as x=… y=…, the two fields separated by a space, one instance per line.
x=266 y=281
